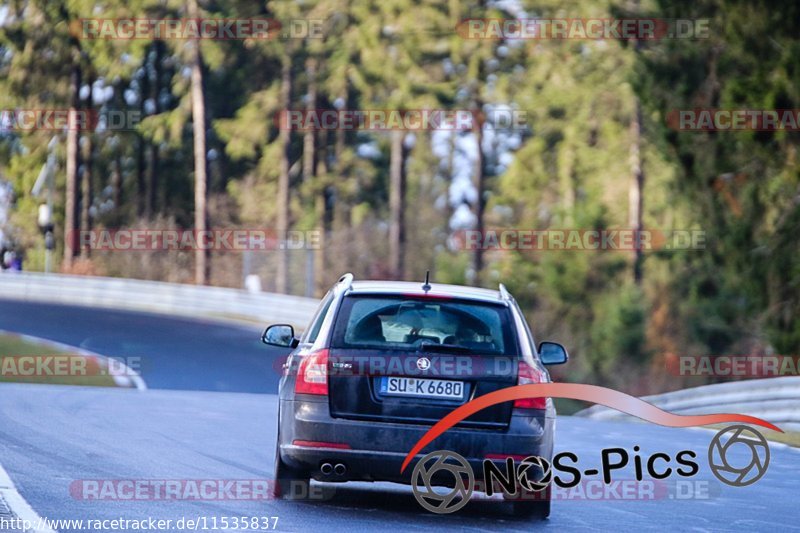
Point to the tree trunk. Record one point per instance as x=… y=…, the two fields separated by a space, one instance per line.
x=309 y=136
x=314 y=168
x=324 y=212
x=342 y=207
x=450 y=209
x=141 y=163
x=71 y=204
x=86 y=178
x=282 y=225
x=200 y=170
x=117 y=174
x=397 y=204
x=320 y=259
x=636 y=184
x=152 y=148
x=636 y=189
x=116 y=181
x=480 y=186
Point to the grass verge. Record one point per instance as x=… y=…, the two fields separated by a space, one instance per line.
x=22 y=360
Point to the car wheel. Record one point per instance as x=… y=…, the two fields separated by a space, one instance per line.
x=539 y=509
x=532 y=504
x=290 y=483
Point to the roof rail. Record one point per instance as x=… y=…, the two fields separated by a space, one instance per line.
x=504 y=293
x=346 y=280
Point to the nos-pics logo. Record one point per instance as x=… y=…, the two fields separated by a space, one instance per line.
x=443 y=481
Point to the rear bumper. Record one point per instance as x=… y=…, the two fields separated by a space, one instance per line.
x=378 y=449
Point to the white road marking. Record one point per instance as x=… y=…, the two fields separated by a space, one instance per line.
x=19 y=506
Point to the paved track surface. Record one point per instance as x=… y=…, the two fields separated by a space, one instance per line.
x=51 y=436
x=171 y=353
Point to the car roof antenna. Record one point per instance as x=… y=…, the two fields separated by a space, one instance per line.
x=427 y=286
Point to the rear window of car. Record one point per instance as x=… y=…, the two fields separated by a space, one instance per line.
x=407 y=323
x=319 y=318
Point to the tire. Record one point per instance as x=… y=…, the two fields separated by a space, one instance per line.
x=535 y=505
x=290 y=483
x=539 y=510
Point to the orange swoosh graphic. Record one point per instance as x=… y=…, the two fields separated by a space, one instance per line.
x=577 y=391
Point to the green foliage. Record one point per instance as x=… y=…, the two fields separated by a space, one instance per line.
x=571 y=167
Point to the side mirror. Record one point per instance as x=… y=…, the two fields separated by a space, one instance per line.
x=552 y=353
x=279 y=335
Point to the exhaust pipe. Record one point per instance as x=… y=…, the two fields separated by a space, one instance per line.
x=326 y=469
x=340 y=469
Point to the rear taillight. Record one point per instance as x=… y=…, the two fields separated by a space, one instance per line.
x=312 y=374
x=528 y=375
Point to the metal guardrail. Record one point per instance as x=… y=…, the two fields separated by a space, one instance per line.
x=158 y=297
x=776 y=400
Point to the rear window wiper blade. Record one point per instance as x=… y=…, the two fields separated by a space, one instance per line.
x=449 y=348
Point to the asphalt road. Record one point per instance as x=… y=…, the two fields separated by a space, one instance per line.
x=52 y=437
x=169 y=353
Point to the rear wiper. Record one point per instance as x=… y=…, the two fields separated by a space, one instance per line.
x=434 y=347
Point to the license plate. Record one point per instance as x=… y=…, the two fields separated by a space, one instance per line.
x=422 y=388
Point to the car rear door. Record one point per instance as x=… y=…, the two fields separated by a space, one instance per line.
x=422 y=381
